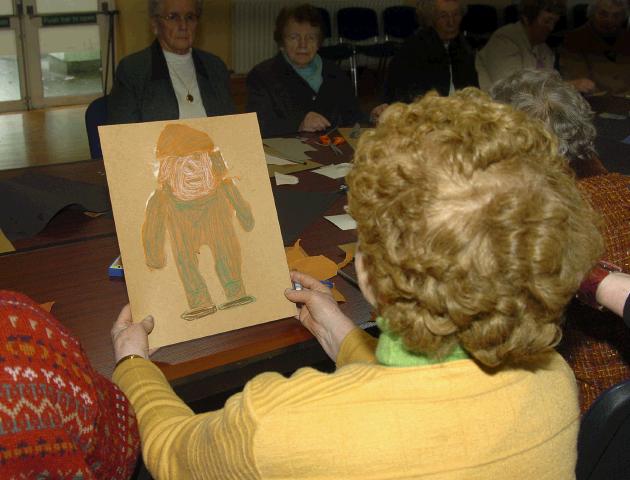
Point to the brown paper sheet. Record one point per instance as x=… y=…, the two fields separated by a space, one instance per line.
x=5 y=244
x=155 y=172
x=319 y=266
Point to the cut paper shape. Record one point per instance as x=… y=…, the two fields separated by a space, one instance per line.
x=47 y=306
x=319 y=266
x=282 y=179
x=196 y=225
x=30 y=200
x=339 y=170
x=290 y=148
x=293 y=167
x=350 y=250
x=5 y=244
x=343 y=221
x=274 y=160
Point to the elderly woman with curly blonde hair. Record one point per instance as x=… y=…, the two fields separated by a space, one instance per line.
x=473 y=238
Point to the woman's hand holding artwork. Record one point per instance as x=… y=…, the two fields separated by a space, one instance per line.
x=131 y=338
x=320 y=313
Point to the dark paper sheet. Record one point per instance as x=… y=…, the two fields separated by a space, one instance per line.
x=28 y=202
x=297 y=210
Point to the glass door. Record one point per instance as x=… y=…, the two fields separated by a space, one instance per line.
x=12 y=81
x=60 y=53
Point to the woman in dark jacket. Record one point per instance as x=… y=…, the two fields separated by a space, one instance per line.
x=297 y=90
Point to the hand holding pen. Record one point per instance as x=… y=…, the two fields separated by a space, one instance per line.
x=319 y=312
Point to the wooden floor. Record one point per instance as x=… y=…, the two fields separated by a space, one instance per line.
x=57 y=135
x=41 y=137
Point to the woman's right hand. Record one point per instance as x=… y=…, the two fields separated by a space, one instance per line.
x=314 y=122
x=320 y=313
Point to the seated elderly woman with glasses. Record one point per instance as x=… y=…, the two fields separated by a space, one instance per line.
x=297 y=90
x=472 y=239
x=596 y=344
x=170 y=79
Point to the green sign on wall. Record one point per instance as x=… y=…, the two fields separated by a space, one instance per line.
x=76 y=19
x=4 y=22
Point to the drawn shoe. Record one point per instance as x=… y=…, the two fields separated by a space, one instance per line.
x=199 y=312
x=238 y=302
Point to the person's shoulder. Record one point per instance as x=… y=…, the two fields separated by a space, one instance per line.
x=269 y=391
x=578 y=38
x=269 y=68
x=137 y=60
x=505 y=35
x=210 y=59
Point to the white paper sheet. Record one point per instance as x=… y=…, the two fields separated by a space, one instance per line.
x=343 y=221
x=339 y=170
x=282 y=179
x=273 y=160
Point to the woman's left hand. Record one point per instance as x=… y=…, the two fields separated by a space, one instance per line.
x=131 y=338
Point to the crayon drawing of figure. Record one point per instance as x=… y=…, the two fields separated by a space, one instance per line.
x=196 y=202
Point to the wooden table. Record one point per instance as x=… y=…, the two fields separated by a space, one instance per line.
x=67 y=263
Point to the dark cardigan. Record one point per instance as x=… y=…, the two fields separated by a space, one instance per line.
x=422 y=64
x=282 y=98
x=143 y=91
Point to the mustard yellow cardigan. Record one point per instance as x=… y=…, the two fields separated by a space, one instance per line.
x=365 y=421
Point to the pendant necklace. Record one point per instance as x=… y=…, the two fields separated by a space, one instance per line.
x=189 y=97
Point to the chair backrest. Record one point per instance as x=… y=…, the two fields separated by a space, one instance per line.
x=95 y=115
x=604 y=439
x=399 y=22
x=480 y=19
x=357 y=23
x=326 y=28
x=579 y=14
x=510 y=14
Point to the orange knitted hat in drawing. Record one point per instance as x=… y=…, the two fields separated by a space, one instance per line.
x=59 y=418
x=177 y=140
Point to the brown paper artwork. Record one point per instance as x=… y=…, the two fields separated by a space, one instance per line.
x=196 y=202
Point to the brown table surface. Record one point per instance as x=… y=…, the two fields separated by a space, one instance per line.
x=67 y=263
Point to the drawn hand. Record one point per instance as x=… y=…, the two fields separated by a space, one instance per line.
x=131 y=338
x=320 y=313
x=314 y=122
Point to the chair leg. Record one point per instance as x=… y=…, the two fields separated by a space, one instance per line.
x=353 y=73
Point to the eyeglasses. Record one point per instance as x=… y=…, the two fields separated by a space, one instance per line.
x=296 y=37
x=176 y=18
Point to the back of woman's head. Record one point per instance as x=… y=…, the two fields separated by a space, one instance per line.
x=543 y=95
x=471 y=227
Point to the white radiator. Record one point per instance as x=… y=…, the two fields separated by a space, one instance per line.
x=253 y=23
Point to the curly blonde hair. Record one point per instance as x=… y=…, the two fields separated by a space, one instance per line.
x=471 y=227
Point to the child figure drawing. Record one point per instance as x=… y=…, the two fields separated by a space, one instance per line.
x=196 y=202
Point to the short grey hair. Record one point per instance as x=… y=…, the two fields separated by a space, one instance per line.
x=544 y=95
x=154 y=7
x=592 y=7
x=425 y=11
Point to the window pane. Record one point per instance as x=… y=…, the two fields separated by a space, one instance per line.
x=9 y=74
x=6 y=8
x=71 y=60
x=65 y=6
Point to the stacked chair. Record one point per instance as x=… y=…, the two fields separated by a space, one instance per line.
x=478 y=24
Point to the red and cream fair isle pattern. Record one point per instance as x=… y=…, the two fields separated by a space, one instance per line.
x=59 y=418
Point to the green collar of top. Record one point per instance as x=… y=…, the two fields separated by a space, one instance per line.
x=391 y=351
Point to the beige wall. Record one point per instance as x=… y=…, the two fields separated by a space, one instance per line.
x=213 y=33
